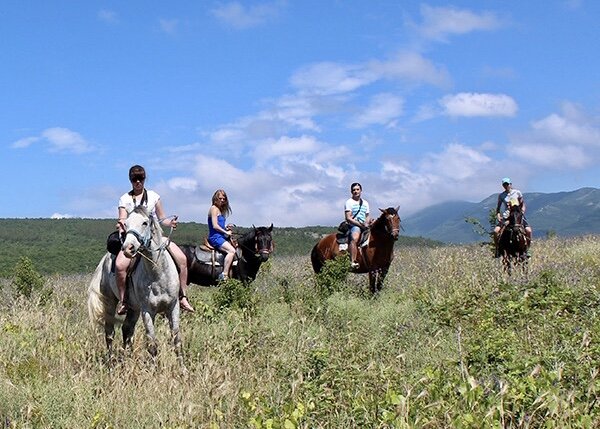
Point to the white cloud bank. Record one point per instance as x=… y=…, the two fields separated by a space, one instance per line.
x=474 y=104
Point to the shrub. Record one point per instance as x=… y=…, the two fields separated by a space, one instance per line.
x=234 y=294
x=26 y=278
x=333 y=275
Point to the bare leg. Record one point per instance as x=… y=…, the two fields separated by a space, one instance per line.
x=121 y=265
x=227 y=247
x=181 y=262
x=355 y=236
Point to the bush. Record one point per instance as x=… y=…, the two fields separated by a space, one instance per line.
x=234 y=294
x=26 y=279
x=333 y=275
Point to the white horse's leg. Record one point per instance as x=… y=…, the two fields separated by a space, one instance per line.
x=173 y=317
x=148 y=319
x=129 y=328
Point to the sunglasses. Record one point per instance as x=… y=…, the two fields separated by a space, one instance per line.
x=137 y=179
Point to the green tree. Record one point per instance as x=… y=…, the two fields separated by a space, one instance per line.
x=26 y=279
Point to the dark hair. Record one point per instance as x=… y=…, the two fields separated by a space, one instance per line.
x=137 y=171
x=356 y=184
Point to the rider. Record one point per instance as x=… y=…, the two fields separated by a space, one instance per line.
x=151 y=200
x=509 y=196
x=219 y=235
x=356 y=211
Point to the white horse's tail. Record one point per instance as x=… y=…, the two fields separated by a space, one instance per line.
x=97 y=307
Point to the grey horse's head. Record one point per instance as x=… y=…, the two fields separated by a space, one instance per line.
x=138 y=231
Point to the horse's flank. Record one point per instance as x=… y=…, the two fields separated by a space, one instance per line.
x=374 y=258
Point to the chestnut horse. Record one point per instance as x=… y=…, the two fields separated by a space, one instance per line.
x=512 y=244
x=374 y=257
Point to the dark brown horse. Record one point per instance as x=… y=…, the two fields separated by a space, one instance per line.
x=512 y=244
x=253 y=248
x=374 y=257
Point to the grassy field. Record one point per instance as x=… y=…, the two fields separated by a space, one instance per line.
x=450 y=342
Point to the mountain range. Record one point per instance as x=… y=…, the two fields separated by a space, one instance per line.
x=565 y=214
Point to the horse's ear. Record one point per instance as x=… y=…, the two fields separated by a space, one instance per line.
x=398 y=209
x=253 y=227
x=382 y=210
x=271 y=227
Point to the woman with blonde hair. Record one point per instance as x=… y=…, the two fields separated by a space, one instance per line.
x=219 y=235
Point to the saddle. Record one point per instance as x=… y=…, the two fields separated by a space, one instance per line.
x=209 y=255
x=344 y=238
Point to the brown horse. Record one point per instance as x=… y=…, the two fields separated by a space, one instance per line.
x=374 y=257
x=512 y=244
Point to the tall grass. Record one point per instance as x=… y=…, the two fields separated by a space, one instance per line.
x=449 y=342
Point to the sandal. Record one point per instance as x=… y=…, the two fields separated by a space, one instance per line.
x=122 y=309
x=185 y=304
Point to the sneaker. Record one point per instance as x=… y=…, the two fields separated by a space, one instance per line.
x=528 y=254
x=354 y=265
x=221 y=277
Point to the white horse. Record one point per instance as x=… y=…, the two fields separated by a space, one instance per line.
x=155 y=285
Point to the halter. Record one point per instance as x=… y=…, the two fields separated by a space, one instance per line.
x=256 y=249
x=145 y=240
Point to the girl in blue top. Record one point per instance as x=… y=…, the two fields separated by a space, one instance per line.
x=218 y=233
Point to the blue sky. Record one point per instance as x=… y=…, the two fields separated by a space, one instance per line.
x=285 y=103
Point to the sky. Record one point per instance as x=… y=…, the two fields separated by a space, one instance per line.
x=285 y=103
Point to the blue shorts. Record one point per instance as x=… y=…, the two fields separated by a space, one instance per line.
x=354 y=229
x=216 y=241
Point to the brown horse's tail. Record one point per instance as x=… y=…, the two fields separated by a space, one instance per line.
x=315 y=258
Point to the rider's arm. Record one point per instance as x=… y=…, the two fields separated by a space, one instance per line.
x=122 y=219
x=160 y=213
x=523 y=208
x=214 y=214
x=350 y=219
x=498 y=208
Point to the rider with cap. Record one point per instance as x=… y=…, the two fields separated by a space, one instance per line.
x=505 y=199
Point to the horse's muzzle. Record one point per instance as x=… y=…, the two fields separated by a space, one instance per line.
x=129 y=250
x=264 y=256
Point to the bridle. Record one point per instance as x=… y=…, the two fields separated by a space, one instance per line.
x=259 y=248
x=145 y=240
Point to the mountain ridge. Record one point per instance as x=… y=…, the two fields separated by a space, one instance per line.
x=565 y=213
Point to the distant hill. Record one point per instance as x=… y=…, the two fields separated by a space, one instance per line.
x=61 y=246
x=564 y=213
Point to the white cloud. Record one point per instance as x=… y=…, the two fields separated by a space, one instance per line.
x=65 y=140
x=332 y=78
x=61 y=216
x=168 y=26
x=558 y=157
x=240 y=16
x=285 y=147
x=410 y=66
x=59 y=140
x=563 y=129
x=382 y=109
x=108 y=16
x=24 y=142
x=473 y=104
x=441 y=22
x=566 y=140
x=327 y=78
x=183 y=184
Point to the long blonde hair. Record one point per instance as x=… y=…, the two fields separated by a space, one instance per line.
x=224 y=207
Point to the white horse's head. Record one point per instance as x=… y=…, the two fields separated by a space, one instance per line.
x=138 y=228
